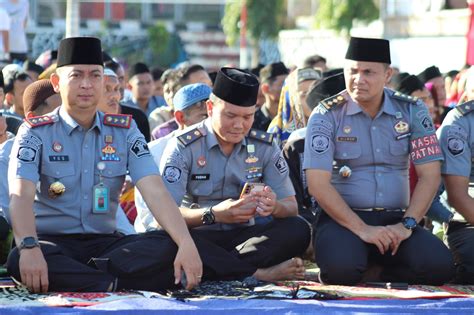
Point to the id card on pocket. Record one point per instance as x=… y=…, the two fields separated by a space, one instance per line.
x=101 y=199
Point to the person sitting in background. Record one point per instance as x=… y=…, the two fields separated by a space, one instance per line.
x=32 y=69
x=293 y=150
x=140 y=83
x=16 y=80
x=293 y=112
x=190 y=108
x=271 y=79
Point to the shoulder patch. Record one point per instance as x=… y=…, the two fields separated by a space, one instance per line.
x=189 y=137
x=118 y=120
x=403 y=97
x=37 y=121
x=261 y=135
x=465 y=108
x=333 y=101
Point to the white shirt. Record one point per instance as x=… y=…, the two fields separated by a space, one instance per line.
x=145 y=220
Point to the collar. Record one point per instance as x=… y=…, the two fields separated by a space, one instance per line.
x=70 y=124
x=387 y=105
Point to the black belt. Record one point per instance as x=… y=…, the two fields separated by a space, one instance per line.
x=378 y=209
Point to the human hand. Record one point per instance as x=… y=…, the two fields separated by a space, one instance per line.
x=401 y=233
x=380 y=236
x=235 y=211
x=266 y=201
x=188 y=261
x=34 y=270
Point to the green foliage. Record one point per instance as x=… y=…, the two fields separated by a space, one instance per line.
x=340 y=14
x=159 y=37
x=264 y=19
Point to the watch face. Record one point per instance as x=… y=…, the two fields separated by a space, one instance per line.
x=409 y=223
x=30 y=242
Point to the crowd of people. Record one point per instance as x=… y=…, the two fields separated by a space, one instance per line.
x=152 y=179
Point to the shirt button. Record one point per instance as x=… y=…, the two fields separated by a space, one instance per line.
x=377 y=150
x=344 y=154
x=196 y=191
x=380 y=194
x=57 y=172
x=86 y=146
x=85 y=197
x=85 y=171
x=379 y=174
x=374 y=128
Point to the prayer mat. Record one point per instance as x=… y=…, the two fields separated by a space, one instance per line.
x=316 y=291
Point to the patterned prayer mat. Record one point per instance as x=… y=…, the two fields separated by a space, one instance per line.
x=315 y=290
x=13 y=295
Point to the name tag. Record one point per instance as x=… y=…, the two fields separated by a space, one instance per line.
x=403 y=136
x=200 y=176
x=347 y=139
x=59 y=158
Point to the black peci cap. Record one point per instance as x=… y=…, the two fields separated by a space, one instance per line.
x=236 y=86
x=80 y=51
x=369 y=49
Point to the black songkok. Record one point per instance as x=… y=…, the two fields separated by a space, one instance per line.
x=80 y=51
x=410 y=84
x=429 y=73
x=236 y=86
x=369 y=49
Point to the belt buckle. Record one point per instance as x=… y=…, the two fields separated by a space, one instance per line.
x=379 y=209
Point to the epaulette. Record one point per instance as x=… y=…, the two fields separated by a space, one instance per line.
x=261 y=135
x=465 y=108
x=403 y=97
x=189 y=137
x=36 y=121
x=333 y=101
x=118 y=120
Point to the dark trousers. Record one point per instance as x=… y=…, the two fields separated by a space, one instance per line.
x=461 y=242
x=343 y=257
x=238 y=253
x=92 y=262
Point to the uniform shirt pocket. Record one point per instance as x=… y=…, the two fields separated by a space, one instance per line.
x=347 y=151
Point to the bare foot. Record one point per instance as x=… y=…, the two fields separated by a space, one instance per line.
x=291 y=269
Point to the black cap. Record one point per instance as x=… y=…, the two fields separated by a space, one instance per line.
x=272 y=71
x=429 y=73
x=236 y=86
x=138 y=68
x=328 y=87
x=256 y=71
x=106 y=57
x=31 y=66
x=54 y=54
x=80 y=51
x=410 y=84
x=396 y=79
x=369 y=49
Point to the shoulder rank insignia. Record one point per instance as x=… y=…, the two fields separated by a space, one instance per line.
x=261 y=135
x=403 y=97
x=465 y=108
x=332 y=101
x=189 y=137
x=118 y=120
x=36 y=121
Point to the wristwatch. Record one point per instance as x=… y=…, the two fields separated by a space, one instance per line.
x=208 y=217
x=409 y=223
x=28 y=242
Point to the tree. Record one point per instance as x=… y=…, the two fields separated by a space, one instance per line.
x=340 y=14
x=264 y=20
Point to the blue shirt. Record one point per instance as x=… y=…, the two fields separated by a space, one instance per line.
x=64 y=151
x=377 y=150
